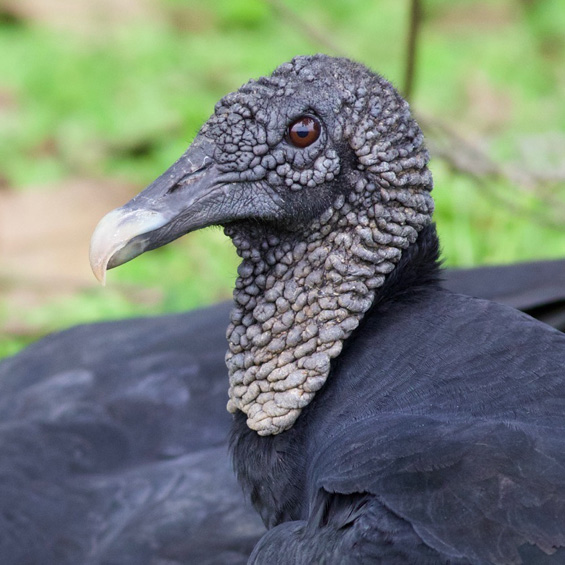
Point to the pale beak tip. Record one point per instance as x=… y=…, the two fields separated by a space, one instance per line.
x=118 y=238
x=103 y=245
x=98 y=268
x=101 y=276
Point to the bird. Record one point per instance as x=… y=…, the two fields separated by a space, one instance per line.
x=400 y=422
x=377 y=416
x=141 y=403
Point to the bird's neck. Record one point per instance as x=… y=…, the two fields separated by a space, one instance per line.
x=299 y=296
x=273 y=470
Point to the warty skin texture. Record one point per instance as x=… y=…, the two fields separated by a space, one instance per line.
x=418 y=428
x=318 y=227
x=306 y=281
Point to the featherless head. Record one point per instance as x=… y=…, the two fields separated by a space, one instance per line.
x=311 y=131
x=319 y=175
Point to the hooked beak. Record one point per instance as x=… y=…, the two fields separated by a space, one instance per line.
x=190 y=195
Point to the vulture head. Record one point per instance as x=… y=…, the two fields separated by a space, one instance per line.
x=319 y=175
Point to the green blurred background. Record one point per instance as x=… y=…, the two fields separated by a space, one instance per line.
x=98 y=97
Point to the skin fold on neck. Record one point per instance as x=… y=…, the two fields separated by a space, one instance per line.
x=298 y=298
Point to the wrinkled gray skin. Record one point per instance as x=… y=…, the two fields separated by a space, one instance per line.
x=299 y=296
x=318 y=228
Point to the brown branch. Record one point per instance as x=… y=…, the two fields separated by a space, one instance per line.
x=411 y=47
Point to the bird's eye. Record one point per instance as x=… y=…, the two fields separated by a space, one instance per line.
x=303 y=131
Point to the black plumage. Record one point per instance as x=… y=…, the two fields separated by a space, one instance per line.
x=452 y=462
x=378 y=417
x=113 y=442
x=537 y=288
x=144 y=401
x=88 y=412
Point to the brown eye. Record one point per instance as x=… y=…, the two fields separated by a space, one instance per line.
x=303 y=131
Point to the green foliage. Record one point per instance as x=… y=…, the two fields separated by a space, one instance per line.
x=125 y=103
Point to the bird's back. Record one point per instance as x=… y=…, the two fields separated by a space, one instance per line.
x=446 y=415
x=113 y=441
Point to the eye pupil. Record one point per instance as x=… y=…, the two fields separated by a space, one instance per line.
x=303 y=131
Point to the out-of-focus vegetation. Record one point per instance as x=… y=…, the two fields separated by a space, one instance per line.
x=110 y=93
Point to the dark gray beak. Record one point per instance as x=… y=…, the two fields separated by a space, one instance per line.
x=192 y=194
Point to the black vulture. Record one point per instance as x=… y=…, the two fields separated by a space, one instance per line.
x=89 y=412
x=113 y=435
x=378 y=417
